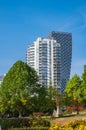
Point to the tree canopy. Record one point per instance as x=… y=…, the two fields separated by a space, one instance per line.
x=19 y=83
x=73 y=86
x=83 y=87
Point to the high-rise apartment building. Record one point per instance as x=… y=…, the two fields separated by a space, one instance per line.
x=65 y=41
x=51 y=58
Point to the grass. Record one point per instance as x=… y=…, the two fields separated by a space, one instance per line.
x=66 y=117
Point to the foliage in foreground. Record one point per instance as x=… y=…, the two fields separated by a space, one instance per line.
x=75 y=125
x=11 y=123
x=32 y=128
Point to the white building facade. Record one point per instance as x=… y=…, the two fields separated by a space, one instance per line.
x=44 y=55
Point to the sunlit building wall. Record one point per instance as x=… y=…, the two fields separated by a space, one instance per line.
x=44 y=55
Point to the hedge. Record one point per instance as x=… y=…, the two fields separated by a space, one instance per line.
x=23 y=123
x=33 y=128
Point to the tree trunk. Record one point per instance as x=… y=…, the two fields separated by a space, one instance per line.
x=0 y=127
x=57 y=112
x=77 y=107
x=20 y=114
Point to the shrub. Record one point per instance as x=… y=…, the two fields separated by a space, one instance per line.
x=14 y=123
x=75 y=125
x=23 y=122
x=33 y=128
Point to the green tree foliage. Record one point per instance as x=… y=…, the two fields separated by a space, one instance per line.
x=73 y=91
x=83 y=87
x=39 y=100
x=45 y=100
x=53 y=98
x=18 y=85
x=42 y=100
x=73 y=86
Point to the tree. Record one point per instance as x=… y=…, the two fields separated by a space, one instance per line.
x=83 y=87
x=72 y=90
x=54 y=100
x=18 y=85
x=40 y=100
x=45 y=100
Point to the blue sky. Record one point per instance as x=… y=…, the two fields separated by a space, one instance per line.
x=22 y=21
